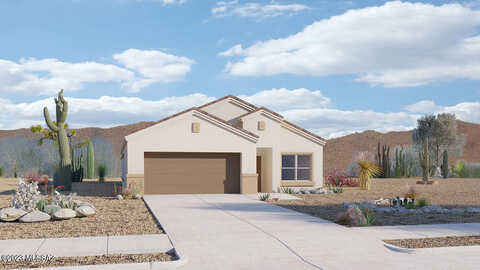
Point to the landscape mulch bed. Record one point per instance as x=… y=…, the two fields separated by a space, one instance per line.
x=88 y=260
x=455 y=241
x=113 y=217
x=449 y=193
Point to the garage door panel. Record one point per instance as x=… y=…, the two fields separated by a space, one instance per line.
x=185 y=173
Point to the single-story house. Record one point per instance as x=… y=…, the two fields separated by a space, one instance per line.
x=225 y=146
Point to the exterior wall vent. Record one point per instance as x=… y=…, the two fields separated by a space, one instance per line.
x=261 y=125
x=195 y=127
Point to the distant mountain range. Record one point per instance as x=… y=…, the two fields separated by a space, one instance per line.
x=339 y=151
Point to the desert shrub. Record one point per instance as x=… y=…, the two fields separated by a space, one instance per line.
x=42 y=203
x=1 y=171
x=33 y=176
x=411 y=194
x=64 y=201
x=422 y=202
x=460 y=170
x=340 y=178
x=369 y=216
x=287 y=190
x=26 y=196
x=466 y=170
x=264 y=196
x=337 y=190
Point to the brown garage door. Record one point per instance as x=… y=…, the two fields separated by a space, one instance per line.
x=190 y=173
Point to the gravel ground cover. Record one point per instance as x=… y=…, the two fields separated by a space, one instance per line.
x=448 y=193
x=454 y=241
x=113 y=217
x=89 y=260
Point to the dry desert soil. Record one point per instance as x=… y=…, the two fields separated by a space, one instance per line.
x=113 y=217
x=449 y=193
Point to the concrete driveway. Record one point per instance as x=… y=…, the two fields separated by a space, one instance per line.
x=238 y=232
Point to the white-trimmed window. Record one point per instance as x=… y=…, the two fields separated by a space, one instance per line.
x=296 y=167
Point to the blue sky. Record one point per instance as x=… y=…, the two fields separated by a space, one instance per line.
x=365 y=64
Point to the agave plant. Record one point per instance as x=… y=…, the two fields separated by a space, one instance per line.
x=264 y=196
x=367 y=169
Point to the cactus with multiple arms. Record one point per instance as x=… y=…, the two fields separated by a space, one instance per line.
x=59 y=129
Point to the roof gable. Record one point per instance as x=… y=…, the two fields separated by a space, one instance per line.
x=228 y=107
x=210 y=118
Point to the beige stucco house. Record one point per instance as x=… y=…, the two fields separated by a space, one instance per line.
x=225 y=146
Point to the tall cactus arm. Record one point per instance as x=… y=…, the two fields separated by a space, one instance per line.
x=48 y=120
x=63 y=115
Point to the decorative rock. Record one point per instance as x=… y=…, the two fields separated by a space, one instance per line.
x=51 y=209
x=11 y=214
x=35 y=216
x=85 y=211
x=137 y=196
x=64 y=213
x=81 y=203
x=119 y=197
x=355 y=216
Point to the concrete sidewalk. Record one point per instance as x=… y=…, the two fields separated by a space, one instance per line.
x=419 y=231
x=87 y=246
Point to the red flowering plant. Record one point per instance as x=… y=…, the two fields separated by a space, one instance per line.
x=340 y=178
x=42 y=180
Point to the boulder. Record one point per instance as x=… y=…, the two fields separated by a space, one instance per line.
x=119 y=197
x=355 y=216
x=35 y=216
x=11 y=214
x=81 y=203
x=51 y=209
x=64 y=213
x=85 y=211
x=137 y=196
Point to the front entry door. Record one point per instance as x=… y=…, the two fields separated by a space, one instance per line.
x=259 y=172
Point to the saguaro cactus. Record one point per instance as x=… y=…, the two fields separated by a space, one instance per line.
x=59 y=128
x=90 y=161
x=425 y=161
x=383 y=158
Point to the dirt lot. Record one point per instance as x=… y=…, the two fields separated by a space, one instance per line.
x=113 y=217
x=450 y=193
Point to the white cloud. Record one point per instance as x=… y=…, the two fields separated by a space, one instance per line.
x=154 y=66
x=284 y=99
x=394 y=45
x=256 y=10
x=424 y=106
x=307 y=108
x=102 y=112
x=45 y=76
x=172 y=2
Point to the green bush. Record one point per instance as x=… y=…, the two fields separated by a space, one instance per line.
x=422 y=202
x=369 y=216
x=1 y=171
x=466 y=170
x=102 y=171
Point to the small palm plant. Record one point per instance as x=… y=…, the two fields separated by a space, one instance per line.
x=367 y=170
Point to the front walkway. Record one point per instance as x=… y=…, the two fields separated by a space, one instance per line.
x=238 y=232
